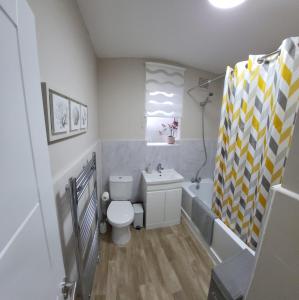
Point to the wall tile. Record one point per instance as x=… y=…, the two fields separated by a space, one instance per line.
x=123 y=158
x=168 y=156
x=132 y=156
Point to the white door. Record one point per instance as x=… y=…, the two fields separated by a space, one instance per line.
x=31 y=266
x=173 y=199
x=155 y=202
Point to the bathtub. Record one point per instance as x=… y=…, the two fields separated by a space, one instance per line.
x=225 y=242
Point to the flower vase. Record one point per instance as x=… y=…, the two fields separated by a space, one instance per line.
x=171 y=140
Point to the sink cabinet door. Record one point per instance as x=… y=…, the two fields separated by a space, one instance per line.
x=155 y=205
x=173 y=199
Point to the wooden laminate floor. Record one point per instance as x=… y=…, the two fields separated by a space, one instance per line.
x=165 y=263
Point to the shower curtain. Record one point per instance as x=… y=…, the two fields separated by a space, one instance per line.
x=259 y=107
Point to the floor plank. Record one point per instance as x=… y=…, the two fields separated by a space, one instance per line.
x=165 y=263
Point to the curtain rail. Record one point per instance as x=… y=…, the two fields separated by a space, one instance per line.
x=205 y=83
x=211 y=80
x=263 y=58
x=260 y=61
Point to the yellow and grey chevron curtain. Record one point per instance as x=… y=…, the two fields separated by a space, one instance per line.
x=259 y=108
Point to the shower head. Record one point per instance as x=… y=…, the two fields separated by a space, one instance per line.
x=205 y=102
x=201 y=95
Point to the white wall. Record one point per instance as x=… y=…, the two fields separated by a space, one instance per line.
x=276 y=270
x=291 y=177
x=68 y=65
x=121 y=99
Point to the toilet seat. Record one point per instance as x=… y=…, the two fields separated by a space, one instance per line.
x=120 y=213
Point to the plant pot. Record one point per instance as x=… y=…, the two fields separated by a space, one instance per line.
x=171 y=140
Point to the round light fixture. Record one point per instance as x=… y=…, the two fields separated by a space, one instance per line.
x=226 y=3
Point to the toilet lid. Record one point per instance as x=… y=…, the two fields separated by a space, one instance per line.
x=120 y=212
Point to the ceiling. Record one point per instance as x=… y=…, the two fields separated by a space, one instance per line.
x=190 y=32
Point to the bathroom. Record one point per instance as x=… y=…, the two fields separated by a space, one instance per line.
x=107 y=58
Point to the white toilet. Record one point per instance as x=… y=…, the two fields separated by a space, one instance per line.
x=120 y=212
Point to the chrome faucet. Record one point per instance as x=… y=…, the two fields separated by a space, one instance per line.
x=159 y=168
x=197 y=180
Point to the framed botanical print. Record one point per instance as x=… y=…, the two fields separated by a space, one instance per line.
x=59 y=110
x=84 y=117
x=75 y=116
x=64 y=116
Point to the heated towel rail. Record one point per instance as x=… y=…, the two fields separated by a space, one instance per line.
x=84 y=208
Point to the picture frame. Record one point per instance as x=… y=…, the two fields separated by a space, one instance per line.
x=75 y=115
x=62 y=115
x=83 y=117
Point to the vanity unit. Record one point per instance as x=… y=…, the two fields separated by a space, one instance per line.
x=162 y=197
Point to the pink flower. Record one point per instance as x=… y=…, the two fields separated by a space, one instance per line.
x=171 y=126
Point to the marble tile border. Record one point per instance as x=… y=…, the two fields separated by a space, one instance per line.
x=130 y=157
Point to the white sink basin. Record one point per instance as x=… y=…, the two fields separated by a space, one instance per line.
x=166 y=176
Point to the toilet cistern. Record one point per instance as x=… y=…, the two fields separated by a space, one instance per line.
x=120 y=212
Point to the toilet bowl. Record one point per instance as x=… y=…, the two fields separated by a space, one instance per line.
x=120 y=215
x=120 y=212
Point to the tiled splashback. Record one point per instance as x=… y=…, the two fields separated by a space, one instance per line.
x=130 y=157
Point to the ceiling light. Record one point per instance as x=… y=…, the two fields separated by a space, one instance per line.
x=226 y=3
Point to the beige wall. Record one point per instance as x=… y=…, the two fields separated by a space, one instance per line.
x=68 y=64
x=121 y=98
x=121 y=101
x=191 y=121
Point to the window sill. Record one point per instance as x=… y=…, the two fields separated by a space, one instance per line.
x=150 y=144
